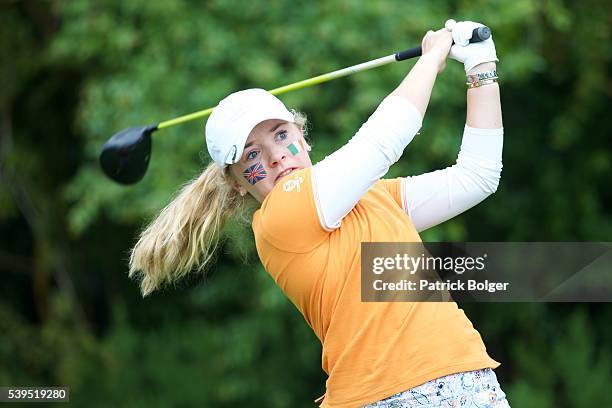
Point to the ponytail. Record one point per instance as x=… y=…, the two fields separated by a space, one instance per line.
x=185 y=234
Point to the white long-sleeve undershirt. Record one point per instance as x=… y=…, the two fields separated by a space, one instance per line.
x=341 y=179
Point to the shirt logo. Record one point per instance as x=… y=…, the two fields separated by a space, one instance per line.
x=293 y=184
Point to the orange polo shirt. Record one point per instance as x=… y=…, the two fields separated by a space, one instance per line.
x=370 y=350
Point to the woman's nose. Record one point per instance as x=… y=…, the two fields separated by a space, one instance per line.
x=278 y=155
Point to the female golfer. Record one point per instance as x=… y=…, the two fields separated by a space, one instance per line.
x=312 y=219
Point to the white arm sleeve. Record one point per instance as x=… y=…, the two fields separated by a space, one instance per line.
x=343 y=177
x=435 y=197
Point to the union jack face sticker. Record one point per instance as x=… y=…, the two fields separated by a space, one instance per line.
x=254 y=173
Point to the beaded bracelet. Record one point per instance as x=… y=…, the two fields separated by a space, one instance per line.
x=481 y=83
x=481 y=78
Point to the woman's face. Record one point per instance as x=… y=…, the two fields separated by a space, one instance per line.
x=273 y=149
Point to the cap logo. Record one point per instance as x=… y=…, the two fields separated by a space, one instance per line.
x=232 y=153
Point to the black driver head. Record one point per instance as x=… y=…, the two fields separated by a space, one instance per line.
x=125 y=156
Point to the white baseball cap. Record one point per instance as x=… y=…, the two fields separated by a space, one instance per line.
x=232 y=120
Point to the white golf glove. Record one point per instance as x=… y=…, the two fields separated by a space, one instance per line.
x=471 y=54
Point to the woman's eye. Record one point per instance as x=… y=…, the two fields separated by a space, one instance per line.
x=282 y=135
x=252 y=154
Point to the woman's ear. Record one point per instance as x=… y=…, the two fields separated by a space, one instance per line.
x=236 y=186
x=308 y=148
x=240 y=189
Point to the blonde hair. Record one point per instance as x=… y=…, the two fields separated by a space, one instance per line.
x=185 y=234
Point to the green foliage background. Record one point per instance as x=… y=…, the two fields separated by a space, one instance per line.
x=75 y=72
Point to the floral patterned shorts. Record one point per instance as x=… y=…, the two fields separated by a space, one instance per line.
x=473 y=389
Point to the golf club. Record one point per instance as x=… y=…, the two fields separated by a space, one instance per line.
x=125 y=156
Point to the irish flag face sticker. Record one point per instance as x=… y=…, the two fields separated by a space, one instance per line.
x=296 y=147
x=254 y=173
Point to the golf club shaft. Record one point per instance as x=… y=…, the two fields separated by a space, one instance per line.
x=479 y=34
x=319 y=79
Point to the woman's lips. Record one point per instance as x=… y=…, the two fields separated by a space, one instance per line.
x=284 y=173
